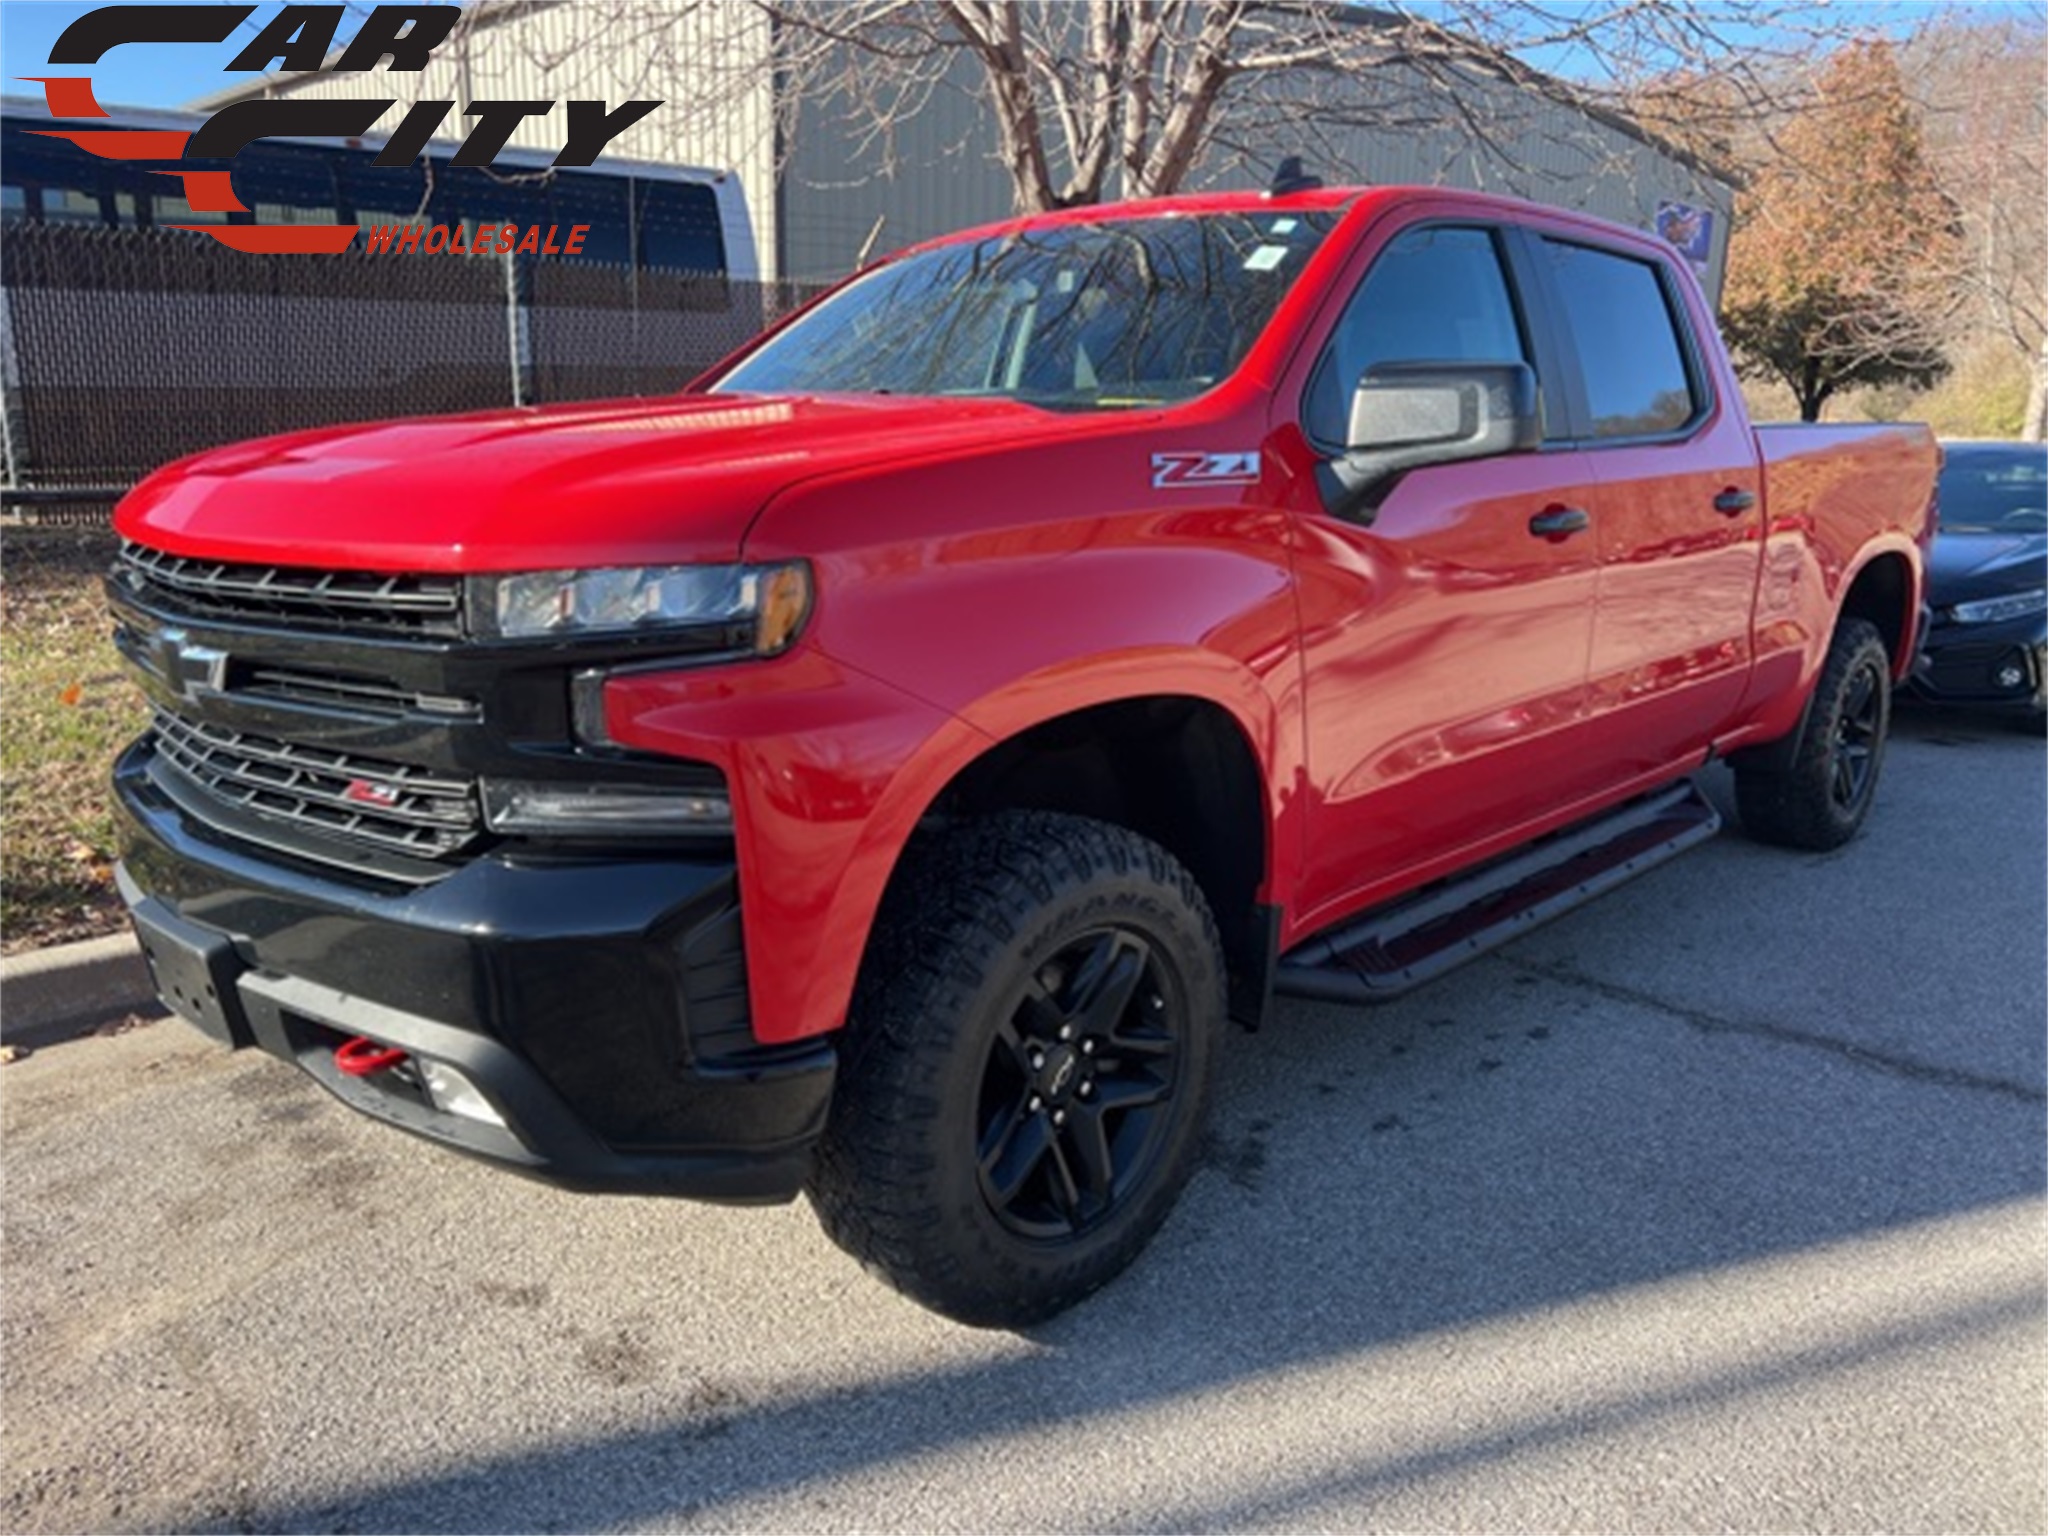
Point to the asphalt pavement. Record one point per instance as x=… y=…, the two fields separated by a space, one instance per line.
x=1717 y=1205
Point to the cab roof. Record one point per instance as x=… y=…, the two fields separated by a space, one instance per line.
x=1315 y=200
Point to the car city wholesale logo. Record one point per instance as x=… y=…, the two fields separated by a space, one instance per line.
x=300 y=38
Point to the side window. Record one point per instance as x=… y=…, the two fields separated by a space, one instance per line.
x=678 y=223
x=1620 y=320
x=1434 y=295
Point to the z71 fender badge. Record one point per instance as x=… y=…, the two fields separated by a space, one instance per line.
x=1190 y=471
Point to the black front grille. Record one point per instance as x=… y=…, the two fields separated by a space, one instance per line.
x=355 y=600
x=360 y=800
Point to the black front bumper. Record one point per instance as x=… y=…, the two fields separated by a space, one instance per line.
x=597 y=1001
x=2001 y=666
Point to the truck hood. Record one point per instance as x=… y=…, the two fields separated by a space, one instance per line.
x=606 y=483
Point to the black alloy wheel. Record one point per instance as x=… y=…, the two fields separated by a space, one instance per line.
x=1859 y=737
x=1076 y=1097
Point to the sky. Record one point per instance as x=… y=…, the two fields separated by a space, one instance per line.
x=144 y=76
x=135 y=76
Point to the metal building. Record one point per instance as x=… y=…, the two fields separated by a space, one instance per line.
x=821 y=191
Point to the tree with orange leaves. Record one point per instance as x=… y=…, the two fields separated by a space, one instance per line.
x=1842 y=266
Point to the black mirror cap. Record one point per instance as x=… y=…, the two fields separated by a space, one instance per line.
x=1410 y=415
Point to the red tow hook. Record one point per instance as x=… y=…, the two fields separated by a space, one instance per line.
x=362 y=1056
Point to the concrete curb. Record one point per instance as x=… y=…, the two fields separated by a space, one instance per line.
x=51 y=994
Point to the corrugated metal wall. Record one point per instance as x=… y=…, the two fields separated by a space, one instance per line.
x=930 y=175
x=1495 y=137
x=936 y=172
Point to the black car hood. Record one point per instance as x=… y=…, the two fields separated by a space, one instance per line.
x=1965 y=566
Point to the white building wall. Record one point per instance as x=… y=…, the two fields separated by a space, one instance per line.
x=935 y=172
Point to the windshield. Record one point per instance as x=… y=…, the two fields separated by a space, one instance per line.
x=1994 y=490
x=1071 y=316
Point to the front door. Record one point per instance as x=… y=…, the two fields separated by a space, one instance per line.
x=1445 y=632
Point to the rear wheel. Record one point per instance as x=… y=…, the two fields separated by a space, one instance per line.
x=1822 y=798
x=1027 y=1066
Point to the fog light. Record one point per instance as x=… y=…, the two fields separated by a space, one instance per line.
x=2011 y=675
x=455 y=1094
x=602 y=810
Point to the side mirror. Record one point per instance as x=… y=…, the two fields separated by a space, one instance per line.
x=1408 y=415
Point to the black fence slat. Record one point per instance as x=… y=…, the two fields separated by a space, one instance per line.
x=128 y=348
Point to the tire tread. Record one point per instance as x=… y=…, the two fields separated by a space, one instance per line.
x=1792 y=807
x=965 y=896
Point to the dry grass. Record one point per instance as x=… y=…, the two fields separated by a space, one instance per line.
x=68 y=709
x=1986 y=396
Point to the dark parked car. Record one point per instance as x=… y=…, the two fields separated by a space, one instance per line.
x=1987 y=580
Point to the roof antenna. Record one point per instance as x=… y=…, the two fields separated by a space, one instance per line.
x=1292 y=178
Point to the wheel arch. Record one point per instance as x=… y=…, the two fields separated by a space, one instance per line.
x=1886 y=590
x=1177 y=768
x=1185 y=766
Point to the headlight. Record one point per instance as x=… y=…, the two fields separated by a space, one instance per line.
x=603 y=810
x=1989 y=610
x=763 y=605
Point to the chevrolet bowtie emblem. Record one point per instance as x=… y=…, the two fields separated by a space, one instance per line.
x=189 y=668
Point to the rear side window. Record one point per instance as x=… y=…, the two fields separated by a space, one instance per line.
x=1434 y=295
x=1621 y=322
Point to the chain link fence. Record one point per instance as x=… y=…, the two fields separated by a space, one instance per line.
x=121 y=349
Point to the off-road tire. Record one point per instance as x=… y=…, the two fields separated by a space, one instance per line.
x=1823 y=797
x=990 y=932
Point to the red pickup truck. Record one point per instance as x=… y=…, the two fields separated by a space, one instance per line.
x=879 y=770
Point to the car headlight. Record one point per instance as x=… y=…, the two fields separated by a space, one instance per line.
x=1989 y=610
x=764 y=606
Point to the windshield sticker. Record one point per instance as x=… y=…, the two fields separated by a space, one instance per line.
x=1265 y=258
x=1190 y=471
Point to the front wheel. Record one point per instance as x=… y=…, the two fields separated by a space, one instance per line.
x=1822 y=798
x=1026 y=1067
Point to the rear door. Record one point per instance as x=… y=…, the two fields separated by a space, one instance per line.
x=1678 y=516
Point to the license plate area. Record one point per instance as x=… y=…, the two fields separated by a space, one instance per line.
x=194 y=970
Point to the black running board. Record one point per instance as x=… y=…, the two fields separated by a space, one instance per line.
x=1416 y=939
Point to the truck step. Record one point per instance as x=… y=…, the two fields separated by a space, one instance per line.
x=1397 y=947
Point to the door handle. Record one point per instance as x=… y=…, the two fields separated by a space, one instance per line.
x=1559 y=523
x=1732 y=501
